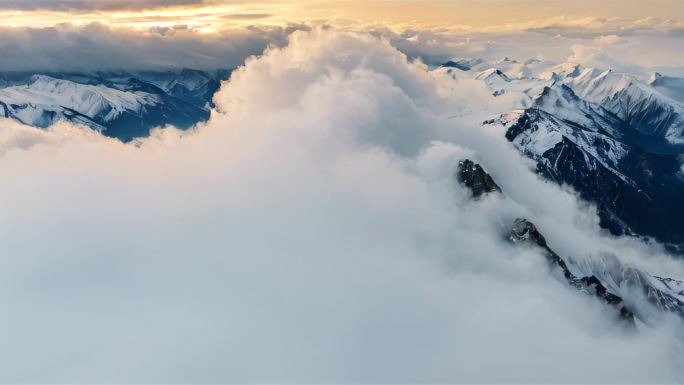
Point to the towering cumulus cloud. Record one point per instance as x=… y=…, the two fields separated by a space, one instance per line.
x=311 y=231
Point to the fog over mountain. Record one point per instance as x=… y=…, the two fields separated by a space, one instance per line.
x=322 y=226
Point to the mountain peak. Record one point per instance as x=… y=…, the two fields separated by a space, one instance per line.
x=653 y=79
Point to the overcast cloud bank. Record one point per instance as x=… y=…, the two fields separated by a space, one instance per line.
x=638 y=46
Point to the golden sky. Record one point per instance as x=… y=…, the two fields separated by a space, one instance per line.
x=225 y=13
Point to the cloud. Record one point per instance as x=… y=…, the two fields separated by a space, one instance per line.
x=649 y=43
x=311 y=231
x=96 y=47
x=91 y=4
x=93 y=47
x=610 y=39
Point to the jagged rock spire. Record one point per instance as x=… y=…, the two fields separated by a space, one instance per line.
x=473 y=176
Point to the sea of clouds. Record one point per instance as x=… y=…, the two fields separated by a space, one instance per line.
x=639 y=47
x=311 y=231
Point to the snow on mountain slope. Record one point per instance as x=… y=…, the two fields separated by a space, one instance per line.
x=651 y=108
x=615 y=138
x=561 y=71
x=642 y=106
x=98 y=102
x=562 y=103
x=511 y=68
x=189 y=79
x=581 y=144
x=496 y=80
x=191 y=85
x=118 y=104
x=671 y=87
x=561 y=112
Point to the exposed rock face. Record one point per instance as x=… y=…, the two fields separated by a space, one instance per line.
x=454 y=64
x=473 y=176
x=634 y=180
x=664 y=294
x=524 y=231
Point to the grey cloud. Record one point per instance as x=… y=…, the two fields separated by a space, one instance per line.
x=97 y=47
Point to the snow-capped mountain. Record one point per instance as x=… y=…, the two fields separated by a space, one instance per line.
x=615 y=138
x=123 y=105
x=641 y=106
x=671 y=87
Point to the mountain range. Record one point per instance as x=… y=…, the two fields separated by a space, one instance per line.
x=616 y=138
x=123 y=105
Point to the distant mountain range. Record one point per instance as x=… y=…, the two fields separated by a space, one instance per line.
x=617 y=139
x=121 y=104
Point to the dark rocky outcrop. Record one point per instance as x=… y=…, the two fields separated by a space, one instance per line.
x=473 y=176
x=459 y=65
x=525 y=232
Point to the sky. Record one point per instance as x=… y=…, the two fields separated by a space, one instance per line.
x=210 y=15
x=54 y=36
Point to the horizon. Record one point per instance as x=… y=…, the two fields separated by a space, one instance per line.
x=211 y=17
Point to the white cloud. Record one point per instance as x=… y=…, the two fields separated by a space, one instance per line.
x=310 y=232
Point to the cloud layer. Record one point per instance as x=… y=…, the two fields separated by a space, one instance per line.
x=640 y=46
x=311 y=231
x=66 y=5
x=97 y=47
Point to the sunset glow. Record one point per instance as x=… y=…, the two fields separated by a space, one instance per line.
x=466 y=14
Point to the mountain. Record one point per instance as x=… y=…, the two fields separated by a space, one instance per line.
x=197 y=87
x=671 y=87
x=640 y=105
x=619 y=286
x=579 y=144
x=123 y=105
x=615 y=138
